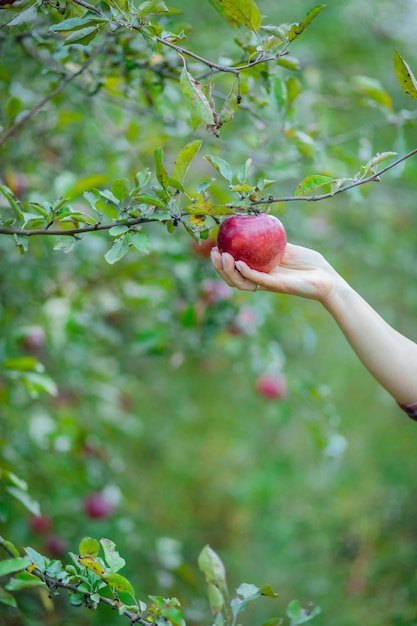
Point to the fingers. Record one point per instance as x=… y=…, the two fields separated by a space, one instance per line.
x=225 y=266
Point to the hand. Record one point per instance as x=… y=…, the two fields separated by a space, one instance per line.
x=302 y=272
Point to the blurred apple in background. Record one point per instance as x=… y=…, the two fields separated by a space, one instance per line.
x=98 y=506
x=271 y=386
x=40 y=524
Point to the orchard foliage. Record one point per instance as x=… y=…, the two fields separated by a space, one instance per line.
x=136 y=54
x=128 y=132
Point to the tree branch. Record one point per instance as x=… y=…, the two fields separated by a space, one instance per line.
x=356 y=183
x=53 y=583
x=73 y=232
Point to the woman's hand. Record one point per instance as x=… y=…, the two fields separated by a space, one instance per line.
x=302 y=272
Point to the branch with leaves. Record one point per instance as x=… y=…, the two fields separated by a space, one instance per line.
x=92 y=578
x=168 y=203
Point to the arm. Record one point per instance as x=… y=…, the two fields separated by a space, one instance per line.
x=390 y=357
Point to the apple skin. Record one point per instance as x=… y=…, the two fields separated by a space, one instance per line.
x=97 y=506
x=271 y=387
x=258 y=240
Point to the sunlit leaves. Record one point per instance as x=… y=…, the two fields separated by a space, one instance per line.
x=244 y=12
x=404 y=74
x=10 y=566
x=370 y=167
x=184 y=158
x=312 y=183
x=222 y=166
x=296 y=29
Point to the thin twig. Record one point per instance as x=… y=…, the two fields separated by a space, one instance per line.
x=73 y=232
x=324 y=196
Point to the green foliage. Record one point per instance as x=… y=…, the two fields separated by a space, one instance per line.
x=129 y=130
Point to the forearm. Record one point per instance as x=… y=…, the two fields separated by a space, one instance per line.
x=390 y=357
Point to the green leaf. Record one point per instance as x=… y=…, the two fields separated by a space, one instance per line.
x=184 y=158
x=118 y=250
x=120 y=583
x=13 y=201
x=216 y=599
x=112 y=557
x=118 y=230
x=229 y=108
x=152 y=6
x=65 y=245
x=10 y=566
x=35 y=557
x=141 y=242
x=13 y=107
x=21 y=363
x=201 y=109
x=267 y=591
x=76 y=23
x=121 y=188
x=22 y=242
x=372 y=89
x=370 y=167
x=12 y=548
x=296 y=29
x=311 y=183
x=298 y=615
x=246 y=593
x=404 y=74
x=293 y=88
x=7 y=598
x=243 y=12
x=90 y=546
x=83 y=36
x=24 y=498
x=143 y=177
x=161 y=173
x=151 y=200
x=221 y=166
x=24 y=580
x=36 y=383
x=212 y=567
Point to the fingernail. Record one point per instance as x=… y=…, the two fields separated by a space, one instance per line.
x=238 y=266
x=212 y=255
x=223 y=259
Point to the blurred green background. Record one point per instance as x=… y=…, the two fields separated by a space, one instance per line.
x=155 y=364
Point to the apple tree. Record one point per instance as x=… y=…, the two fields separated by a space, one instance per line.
x=128 y=132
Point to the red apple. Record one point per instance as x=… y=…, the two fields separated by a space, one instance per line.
x=259 y=240
x=271 y=387
x=203 y=247
x=97 y=506
x=40 y=524
x=55 y=546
